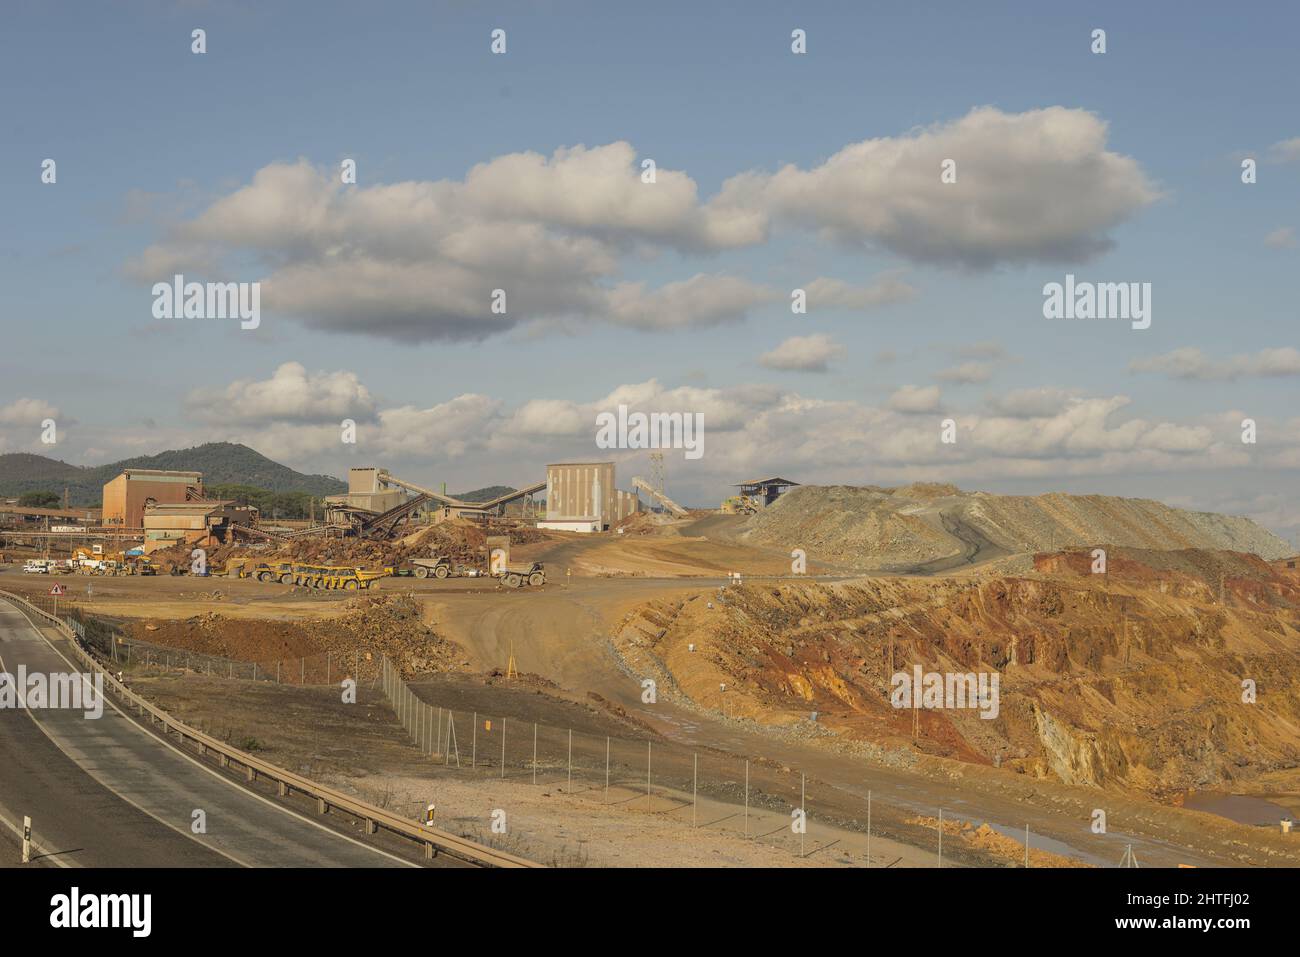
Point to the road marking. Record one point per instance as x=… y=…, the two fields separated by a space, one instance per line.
x=167 y=744
x=37 y=845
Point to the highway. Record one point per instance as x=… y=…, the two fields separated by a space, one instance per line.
x=106 y=793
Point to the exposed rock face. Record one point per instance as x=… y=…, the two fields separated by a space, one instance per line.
x=1135 y=678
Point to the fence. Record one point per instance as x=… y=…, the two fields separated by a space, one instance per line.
x=696 y=787
x=653 y=775
x=431 y=839
x=321 y=669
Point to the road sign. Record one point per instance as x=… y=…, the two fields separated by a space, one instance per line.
x=58 y=589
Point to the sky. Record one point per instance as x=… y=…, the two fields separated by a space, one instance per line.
x=774 y=171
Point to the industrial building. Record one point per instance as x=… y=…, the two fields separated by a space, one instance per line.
x=126 y=496
x=757 y=493
x=367 y=493
x=202 y=524
x=581 y=497
x=16 y=514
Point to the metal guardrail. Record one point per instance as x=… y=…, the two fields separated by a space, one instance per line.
x=433 y=839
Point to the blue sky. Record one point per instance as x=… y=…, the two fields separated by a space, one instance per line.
x=148 y=135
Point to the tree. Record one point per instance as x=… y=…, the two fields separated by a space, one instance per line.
x=39 y=499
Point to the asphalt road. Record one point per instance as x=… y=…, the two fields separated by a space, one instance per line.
x=106 y=793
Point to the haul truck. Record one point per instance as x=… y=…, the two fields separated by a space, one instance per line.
x=347 y=577
x=439 y=566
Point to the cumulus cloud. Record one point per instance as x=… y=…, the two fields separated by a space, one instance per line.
x=967 y=373
x=291 y=394
x=701 y=300
x=1031 y=403
x=826 y=293
x=1190 y=362
x=1038 y=186
x=22 y=412
x=911 y=398
x=421 y=260
x=803 y=353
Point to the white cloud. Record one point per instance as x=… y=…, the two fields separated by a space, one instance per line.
x=699 y=301
x=911 y=398
x=826 y=293
x=1031 y=403
x=291 y=394
x=1190 y=362
x=967 y=373
x=420 y=260
x=28 y=412
x=803 y=353
x=1038 y=186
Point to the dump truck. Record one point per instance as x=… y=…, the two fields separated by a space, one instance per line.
x=439 y=566
x=518 y=574
x=347 y=577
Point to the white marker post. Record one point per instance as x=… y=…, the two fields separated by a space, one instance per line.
x=27 y=840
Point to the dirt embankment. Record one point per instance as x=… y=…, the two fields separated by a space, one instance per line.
x=924 y=526
x=368 y=625
x=1136 y=679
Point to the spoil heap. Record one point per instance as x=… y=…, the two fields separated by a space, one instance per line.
x=932 y=527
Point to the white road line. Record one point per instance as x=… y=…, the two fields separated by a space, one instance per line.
x=224 y=780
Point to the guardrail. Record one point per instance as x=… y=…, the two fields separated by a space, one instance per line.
x=433 y=839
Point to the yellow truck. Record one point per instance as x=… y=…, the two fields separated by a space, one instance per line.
x=346 y=577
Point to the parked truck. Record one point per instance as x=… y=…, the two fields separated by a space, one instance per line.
x=347 y=577
x=439 y=566
x=518 y=574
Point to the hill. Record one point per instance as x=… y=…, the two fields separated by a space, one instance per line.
x=222 y=463
x=484 y=494
x=934 y=527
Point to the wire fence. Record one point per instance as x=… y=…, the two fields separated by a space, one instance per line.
x=325 y=669
x=697 y=787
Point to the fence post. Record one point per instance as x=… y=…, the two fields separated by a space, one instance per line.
x=503 y=749
x=747 y=798
x=473 y=748
x=534 y=752
x=868 y=828
x=941 y=837
x=803 y=811
x=302 y=674
x=606 y=769
x=647 y=776
x=277 y=670
x=568 y=788
x=327 y=667
x=695 y=788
